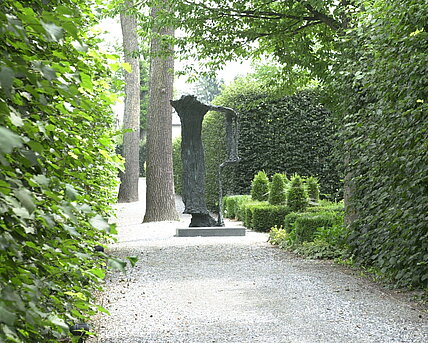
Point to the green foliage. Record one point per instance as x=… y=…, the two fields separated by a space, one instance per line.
x=207 y=88
x=142 y=156
x=260 y=187
x=218 y=31
x=178 y=165
x=313 y=189
x=320 y=235
x=297 y=198
x=384 y=76
x=277 y=195
x=290 y=219
x=241 y=210
x=292 y=135
x=214 y=140
x=327 y=206
x=232 y=204
x=279 y=236
x=57 y=168
x=264 y=217
x=307 y=226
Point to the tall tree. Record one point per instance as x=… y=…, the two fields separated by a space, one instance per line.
x=207 y=88
x=160 y=199
x=128 y=190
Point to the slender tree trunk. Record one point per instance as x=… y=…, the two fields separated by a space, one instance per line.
x=128 y=190
x=160 y=199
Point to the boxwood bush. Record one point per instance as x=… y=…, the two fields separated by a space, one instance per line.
x=306 y=225
x=265 y=217
x=260 y=187
x=277 y=193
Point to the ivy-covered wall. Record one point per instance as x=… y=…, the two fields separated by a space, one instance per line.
x=386 y=135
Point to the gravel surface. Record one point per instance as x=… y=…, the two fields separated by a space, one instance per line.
x=239 y=289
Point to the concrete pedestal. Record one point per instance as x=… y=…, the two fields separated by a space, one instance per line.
x=210 y=231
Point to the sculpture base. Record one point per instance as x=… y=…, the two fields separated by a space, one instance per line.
x=202 y=220
x=210 y=231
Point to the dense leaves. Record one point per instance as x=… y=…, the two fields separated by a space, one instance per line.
x=386 y=135
x=293 y=135
x=57 y=169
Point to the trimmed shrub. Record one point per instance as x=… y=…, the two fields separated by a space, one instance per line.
x=277 y=195
x=260 y=187
x=248 y=219
x=306 y=226
x=290 y=219
x=334 y=207
x=242 y=207
x=231 y=204
x=297 y=198
x=265 y=217
x=313 y=189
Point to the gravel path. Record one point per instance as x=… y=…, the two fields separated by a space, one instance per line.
x=239 y=289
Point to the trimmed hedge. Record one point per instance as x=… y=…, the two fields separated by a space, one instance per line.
x=265 y=217
x=384 y=106
x=292 y=135
x=260 y=187
x=306 y=225
x=277 y=194
x=290 y=219
x=232 y=203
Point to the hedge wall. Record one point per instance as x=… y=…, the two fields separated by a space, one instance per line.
x=57 y=168
x=289 y=135
x=386 y=135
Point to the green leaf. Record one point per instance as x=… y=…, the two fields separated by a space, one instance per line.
x=117 y=264
x=102 y=309
x=99 y=273
x=99 y=223
x=4 y=187
x=133 y=260
x=70 y=192
x=53 y=32
x=9 y=140
x=40 y=180
x=127 y=67
x=6 y=316
x=86 y=82
x=16 y=119
x=55 y=320
x=6 y=79
x=21 y=212
x=26 y=199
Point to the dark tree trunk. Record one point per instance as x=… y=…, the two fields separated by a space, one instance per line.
x=160 y=199
x=128 y=190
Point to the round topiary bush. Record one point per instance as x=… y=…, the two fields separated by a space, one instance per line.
x=277 y=195
x=297 y=198
x=313 y=189
x=260 y=187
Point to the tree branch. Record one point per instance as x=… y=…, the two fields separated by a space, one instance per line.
x=329 y=21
